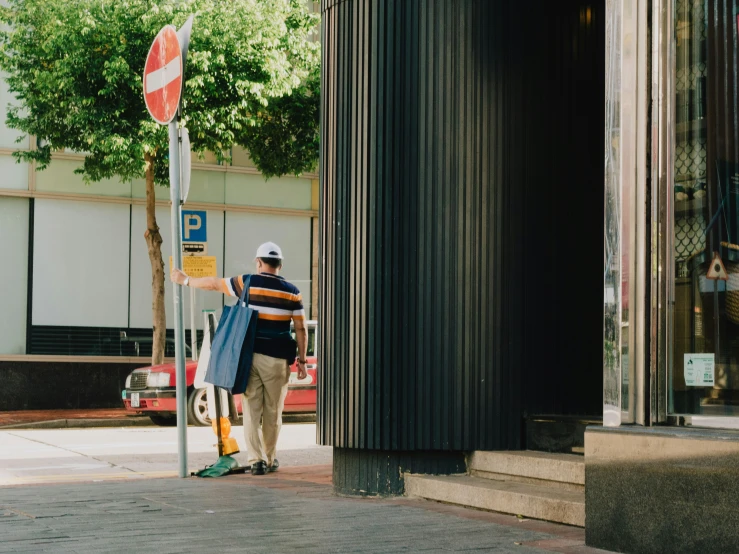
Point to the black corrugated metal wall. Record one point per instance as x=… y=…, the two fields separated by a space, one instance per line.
x=431 y=133
x=418 y=279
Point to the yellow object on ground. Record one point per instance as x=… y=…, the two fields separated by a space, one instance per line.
x=230 y=446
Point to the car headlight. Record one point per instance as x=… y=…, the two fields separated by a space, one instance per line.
x=128 y=381
x=158 y=379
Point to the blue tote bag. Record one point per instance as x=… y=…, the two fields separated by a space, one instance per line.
x=233 y=345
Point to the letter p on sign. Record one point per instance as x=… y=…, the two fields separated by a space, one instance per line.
x=194 y=227
x=192 y=223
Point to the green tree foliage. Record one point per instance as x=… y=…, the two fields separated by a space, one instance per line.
x=287 y=141
x=76 y=68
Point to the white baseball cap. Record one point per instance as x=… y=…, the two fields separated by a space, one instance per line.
x=269 y=250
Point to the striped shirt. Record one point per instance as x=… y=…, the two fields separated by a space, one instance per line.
x=277 y=301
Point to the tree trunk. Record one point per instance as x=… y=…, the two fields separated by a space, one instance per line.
x=154 y=245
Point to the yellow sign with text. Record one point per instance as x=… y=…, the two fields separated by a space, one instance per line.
x=198 y=266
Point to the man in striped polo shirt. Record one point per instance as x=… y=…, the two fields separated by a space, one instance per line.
x=278 y=302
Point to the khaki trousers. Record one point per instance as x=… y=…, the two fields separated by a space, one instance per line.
x=263 y=402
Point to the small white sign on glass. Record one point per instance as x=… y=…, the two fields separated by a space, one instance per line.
x=699 y=370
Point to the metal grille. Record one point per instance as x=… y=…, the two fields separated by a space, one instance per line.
x=690 y=159
x=690 y=147
x=100 y=341
x=689 y=236
x=139 y=379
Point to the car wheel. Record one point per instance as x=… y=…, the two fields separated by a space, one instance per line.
x=164 y=421
x=197 y=408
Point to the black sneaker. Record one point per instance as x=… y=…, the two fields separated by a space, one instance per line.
x=259 y=468
x=275 y=466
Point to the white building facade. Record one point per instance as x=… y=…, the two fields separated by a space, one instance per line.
x=75 y=277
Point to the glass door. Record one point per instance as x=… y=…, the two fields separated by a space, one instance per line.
x=704 y=364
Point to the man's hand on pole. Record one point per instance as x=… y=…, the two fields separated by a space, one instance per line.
x=178 y=276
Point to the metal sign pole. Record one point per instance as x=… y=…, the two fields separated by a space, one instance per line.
x=166 y=108
x=175 y=177
x=179 y=316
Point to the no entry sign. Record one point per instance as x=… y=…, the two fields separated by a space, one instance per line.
x=163 y=76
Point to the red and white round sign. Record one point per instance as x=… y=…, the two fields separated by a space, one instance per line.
x=163 y=76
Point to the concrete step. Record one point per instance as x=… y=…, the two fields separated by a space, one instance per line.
x=533 y=501
x=566 y=471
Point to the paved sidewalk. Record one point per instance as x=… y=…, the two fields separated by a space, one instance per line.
x=293 y=510
x=65 y=455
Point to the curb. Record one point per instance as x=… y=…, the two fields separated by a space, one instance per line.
x=299 y=418
x=140 y=421
x=82 y=423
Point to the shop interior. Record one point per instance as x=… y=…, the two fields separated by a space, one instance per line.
x=564 y=225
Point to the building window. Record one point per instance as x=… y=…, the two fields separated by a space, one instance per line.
x=704 y=375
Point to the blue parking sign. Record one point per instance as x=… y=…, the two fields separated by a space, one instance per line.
x=194 y=226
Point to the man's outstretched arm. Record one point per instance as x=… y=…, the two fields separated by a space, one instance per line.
x=204 y=283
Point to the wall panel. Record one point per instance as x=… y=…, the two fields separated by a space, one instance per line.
x=13 y=175
x=14 y=220
x=70 y=286
x=245 y=232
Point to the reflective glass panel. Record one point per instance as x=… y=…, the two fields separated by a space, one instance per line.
x=705 y=319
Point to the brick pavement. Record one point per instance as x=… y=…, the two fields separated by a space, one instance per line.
x=293 y=510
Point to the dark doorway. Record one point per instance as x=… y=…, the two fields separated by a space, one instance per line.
x=564 y=222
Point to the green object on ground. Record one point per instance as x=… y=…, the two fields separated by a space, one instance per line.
x=223 y=466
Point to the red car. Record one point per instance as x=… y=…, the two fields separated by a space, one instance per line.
x=151 y=390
